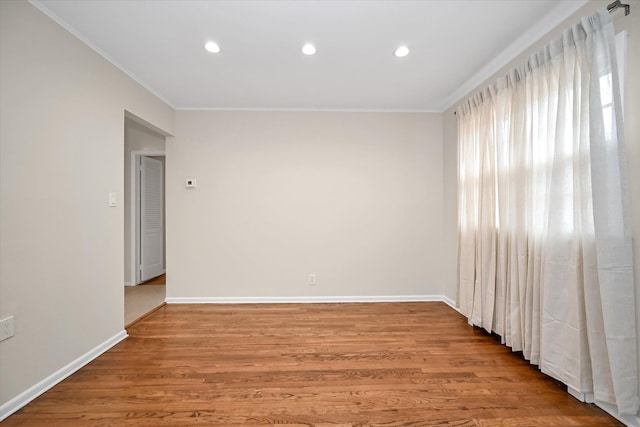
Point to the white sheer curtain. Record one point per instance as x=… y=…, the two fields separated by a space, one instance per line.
x=545 y=256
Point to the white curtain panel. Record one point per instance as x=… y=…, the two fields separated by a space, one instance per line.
x=545 y=256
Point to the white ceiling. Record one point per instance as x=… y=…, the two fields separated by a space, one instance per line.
x=455 y=44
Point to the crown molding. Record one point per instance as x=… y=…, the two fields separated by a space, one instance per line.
x=42 y=8
x=561 y=11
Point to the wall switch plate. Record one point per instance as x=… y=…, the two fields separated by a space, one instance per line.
x=6 y=328
x=190 y=183
x=312 y=279
x=113 y=201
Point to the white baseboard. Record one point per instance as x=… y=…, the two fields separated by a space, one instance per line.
x=451 y=303
x=36 y=390
x=324 y=299
x=129 y=284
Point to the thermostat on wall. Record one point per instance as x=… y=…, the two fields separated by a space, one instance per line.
x=190 y=183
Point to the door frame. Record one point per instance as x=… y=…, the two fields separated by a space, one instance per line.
x=135 y=209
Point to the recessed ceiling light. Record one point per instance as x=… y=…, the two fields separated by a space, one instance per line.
x=212 y=47
x=309 y=49
x=401 y=51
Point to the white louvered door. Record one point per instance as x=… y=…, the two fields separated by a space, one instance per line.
x=151 y=219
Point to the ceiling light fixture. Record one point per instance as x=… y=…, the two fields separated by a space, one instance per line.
x=212 y=47
x=309 y=49
x=401 y=51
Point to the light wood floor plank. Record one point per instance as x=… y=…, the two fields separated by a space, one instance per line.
x=382 y=364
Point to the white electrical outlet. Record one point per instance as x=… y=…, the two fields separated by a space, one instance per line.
x=6 y=328
x=312 y=279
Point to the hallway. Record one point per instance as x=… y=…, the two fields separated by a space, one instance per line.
x=143 y=299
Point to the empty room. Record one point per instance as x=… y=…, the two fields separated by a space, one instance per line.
x=319 y=212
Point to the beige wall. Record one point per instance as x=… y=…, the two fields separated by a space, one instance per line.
x=355 y=198
x=136 y=138
x=61 y=152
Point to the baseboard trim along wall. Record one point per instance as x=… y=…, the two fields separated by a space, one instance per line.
x=310 y=300
x=36 y=390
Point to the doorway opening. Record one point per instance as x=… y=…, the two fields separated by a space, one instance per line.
x=147 y=226
x=145 y=249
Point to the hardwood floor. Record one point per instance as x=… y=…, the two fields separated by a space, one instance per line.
x=391 y=364
x=159 y=280
x=141 y=300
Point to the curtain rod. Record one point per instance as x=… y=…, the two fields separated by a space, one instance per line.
x=611 y=8
x=616 y=4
